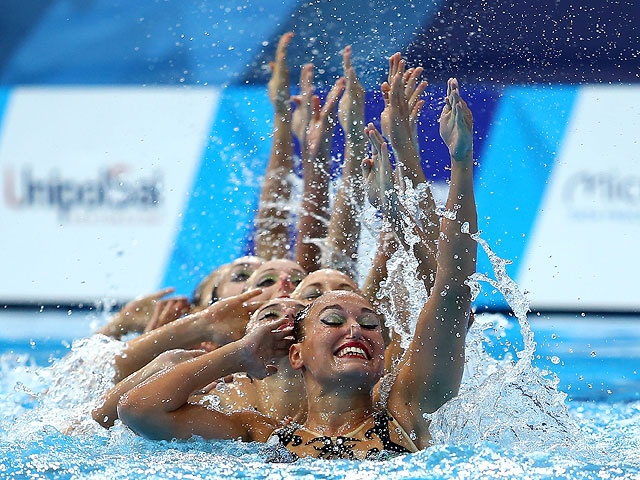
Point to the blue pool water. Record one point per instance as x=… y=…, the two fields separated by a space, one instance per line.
x=510 y=422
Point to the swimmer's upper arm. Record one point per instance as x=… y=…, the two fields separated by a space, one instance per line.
x=190 y=420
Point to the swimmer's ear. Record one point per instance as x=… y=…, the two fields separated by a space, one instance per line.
x=295 y=357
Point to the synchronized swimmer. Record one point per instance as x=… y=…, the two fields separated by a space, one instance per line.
x=297 y=354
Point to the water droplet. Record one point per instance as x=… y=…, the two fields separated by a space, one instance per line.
x=555 y=360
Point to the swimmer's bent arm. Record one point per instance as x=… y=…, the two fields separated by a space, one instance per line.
x=431 y=372
x=222 y=322
x=106 y=412
x=158 y=408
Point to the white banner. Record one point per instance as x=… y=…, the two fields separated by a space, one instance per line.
x=94 y=182
x=583 y=251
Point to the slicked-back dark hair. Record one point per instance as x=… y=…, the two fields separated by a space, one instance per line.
x=298 y=330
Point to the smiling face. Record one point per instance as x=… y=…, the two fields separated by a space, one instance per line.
x=322 y=281
x=275 y=310
x=278 y=278
x=341 y=342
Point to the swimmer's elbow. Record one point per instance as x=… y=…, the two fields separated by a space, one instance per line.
x=134 y=414
x=101 y=417
x=144 y=419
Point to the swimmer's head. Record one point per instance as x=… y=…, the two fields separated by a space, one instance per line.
x=322 y=281
x=339 y=341
x=275 y=309
x=277 y=278
x=235 y=279
x=226 y=281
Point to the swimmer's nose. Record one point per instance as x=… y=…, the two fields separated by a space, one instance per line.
x=355 y=330
x=285 y=286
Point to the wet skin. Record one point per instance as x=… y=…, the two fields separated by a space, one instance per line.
x=322 y=281
x=275 y=310
x=342 y=342
x=235 y=279
x=277 y=278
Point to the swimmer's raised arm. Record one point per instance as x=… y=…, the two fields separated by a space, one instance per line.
x=221 y=323
x=391 y=116
x=106 y=412
x=431 y=371
x=404 y=105
x=158 y=408
x=344 y=228
x=387 y=245
x=272 y=222
x=314 y=211
x=134 y=316
x=303 y=112
x=383 y=186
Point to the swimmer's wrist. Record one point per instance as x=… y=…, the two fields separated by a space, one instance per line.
x=282 y=118
x=196 y=329
x=241 y=355
x=466 y=158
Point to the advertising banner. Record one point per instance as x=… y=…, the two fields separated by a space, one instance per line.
x=114 y=192
x=93 y=181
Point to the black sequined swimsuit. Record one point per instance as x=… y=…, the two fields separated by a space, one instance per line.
x=377 y=434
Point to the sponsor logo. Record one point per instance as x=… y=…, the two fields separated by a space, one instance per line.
x=603 y=195
x=112 y=190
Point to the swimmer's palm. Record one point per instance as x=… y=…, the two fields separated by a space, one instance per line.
x=136 y=314
x=266 y=344
x=456 y=128
x=228 y=318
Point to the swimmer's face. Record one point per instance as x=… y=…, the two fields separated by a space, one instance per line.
x=342 y=342
x=235 y=278
x=277 y=278
x=275 y=310
x=322 y=281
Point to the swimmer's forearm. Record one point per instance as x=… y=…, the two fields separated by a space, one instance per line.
x=182 y=333
x=411 y=168
x=115 y=328
x=387 y=245
x=344 y=227
x=106 y=412
x=314 y=212
x=170 y=389
x=457 y=250
x=272 y=232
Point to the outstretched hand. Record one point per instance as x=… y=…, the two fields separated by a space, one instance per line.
x=320 y=130
x=135 y=315
x=378 y=175
x=279 y=83
x=166 y=311
x=402 y=102
x=228 y=318
x=265 y=345
x=304 y=104
x=456 y=124
x=351 y=106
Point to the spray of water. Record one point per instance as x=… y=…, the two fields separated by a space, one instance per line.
x=511 y=404
x=63 y=394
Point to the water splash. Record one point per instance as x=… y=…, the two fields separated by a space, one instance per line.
x=511 y=404
x=63 y=394
x=403 y=293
